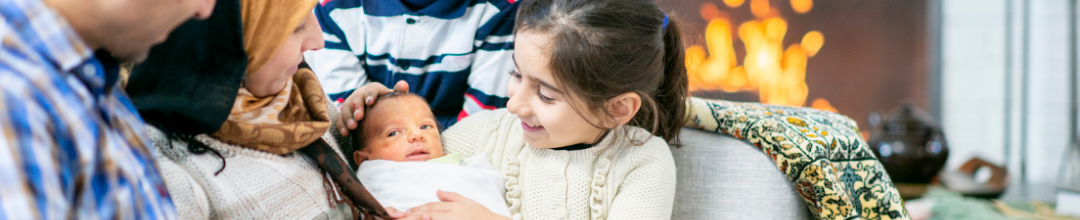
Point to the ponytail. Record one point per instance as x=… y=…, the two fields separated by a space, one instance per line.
x=664 y=112
x=673 y=91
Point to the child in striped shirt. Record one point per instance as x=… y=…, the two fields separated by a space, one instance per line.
x=454 y=54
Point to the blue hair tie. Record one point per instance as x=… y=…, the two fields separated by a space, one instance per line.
x=665 y=22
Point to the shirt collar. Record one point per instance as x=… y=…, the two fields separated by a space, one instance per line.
x=46 y=31
x=583 y=146
x=52 y=37
x=110 y=67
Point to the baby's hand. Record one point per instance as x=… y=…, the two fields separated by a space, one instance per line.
x=363 y=96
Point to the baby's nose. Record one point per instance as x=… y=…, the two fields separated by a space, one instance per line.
x=415 y=136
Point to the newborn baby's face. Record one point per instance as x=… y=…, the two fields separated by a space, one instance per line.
x=401 y=129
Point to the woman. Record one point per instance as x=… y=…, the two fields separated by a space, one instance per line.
x=241 y=128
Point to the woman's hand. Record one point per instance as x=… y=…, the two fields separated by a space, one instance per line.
x=363 y=96
x=453 y=206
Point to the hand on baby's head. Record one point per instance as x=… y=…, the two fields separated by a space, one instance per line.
x=398 y=127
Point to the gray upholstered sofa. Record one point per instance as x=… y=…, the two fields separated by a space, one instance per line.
x=721 y=177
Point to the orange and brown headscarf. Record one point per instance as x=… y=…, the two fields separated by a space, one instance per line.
x=296 y=116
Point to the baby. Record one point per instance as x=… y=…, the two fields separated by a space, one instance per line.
x=406 y=164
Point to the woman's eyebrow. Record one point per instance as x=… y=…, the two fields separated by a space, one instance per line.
x=302 y=25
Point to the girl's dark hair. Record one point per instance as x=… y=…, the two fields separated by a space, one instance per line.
x=605 y=48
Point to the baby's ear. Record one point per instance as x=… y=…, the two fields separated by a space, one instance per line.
x=360 y=156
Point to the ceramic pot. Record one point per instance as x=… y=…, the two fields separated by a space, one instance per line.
x=910 y=144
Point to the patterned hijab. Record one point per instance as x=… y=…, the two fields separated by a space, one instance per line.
x=297 y=115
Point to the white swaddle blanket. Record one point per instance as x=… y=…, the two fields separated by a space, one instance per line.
x=404 y=185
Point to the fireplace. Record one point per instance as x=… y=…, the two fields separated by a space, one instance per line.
x=852 y=57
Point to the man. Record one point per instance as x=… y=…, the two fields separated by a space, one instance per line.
x=454 y=53
x=71 y=144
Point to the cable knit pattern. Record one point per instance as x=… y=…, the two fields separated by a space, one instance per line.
x=614 y=179
x=253 y=185
x=513 y=191
x=597 y=201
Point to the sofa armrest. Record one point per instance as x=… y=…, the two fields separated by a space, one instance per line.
x=721 y=177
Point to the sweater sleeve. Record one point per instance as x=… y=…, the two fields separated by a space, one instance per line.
x=648 y=191
x=187 y=194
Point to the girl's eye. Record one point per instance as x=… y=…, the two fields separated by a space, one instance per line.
x=393 y=133
x=425 y=127
x=515 y=74
x=545 y=99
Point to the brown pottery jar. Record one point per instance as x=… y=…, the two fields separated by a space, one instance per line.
x=909 y=144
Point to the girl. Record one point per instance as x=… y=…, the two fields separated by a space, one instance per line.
x=598 y=86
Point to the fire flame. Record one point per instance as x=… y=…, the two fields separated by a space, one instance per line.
x=776 y=73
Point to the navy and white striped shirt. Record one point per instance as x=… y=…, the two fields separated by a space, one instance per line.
x=454 y=53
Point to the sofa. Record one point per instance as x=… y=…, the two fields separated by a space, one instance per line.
x=721 y=177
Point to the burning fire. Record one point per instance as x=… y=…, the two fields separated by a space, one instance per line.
x=777 y=73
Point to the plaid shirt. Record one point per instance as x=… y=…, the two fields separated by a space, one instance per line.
x=71 y=143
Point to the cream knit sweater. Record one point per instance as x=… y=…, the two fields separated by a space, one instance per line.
x=253 y=185
x=614 y=179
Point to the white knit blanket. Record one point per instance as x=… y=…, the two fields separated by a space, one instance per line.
x=404 y=185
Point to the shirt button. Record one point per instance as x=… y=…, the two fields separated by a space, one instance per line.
x=410 y=21
x=560 y=212
x=404 y=64
x=89 y=70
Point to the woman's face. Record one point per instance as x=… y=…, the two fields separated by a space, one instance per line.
x=270 y=78
x=547 y=114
